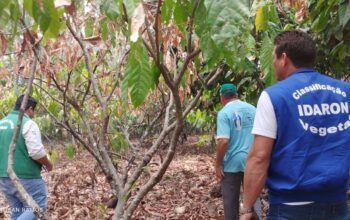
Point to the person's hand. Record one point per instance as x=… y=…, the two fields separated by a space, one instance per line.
x=48 y=167
x=247 y=216
x=219 y=171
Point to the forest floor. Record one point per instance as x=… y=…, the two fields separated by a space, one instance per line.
x=78 y=190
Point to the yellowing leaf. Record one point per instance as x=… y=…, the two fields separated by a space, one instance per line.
x=53 y=156
x=260 y=19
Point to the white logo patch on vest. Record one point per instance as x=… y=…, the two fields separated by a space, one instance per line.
x=323 y=109
x=5 y=124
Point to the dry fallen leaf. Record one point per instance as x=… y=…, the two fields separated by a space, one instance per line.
x=59 y=3
x=137 y=21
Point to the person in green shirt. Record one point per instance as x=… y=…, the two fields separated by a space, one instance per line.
x=29 y=159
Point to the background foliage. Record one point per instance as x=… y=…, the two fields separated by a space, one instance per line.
x=118 y=81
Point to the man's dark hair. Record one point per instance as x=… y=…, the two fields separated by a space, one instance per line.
x=31 y=103
x=299 y=47
x=230 y=95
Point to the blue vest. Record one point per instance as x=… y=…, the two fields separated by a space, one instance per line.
x=310 y=159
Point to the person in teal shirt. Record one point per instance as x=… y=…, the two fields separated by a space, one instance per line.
x=234 y=138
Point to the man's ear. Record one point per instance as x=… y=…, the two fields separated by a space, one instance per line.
x=284 y=59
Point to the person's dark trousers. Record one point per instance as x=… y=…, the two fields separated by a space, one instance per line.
x=230 y=187
x=313 y=211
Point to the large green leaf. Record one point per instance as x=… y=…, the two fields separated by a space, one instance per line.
x=138 y=76
x=219 y=24
x=53 y=13
x=3 y=4
x=321 y=21
x=48 y=17
x=266 y=59
x=110 y=8
x=28 y=6
x=344 y=14
x=266 y=14
x=182 y=11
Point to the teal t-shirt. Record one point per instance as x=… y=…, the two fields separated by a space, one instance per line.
x=235 y=122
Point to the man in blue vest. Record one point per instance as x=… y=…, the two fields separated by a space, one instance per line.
x=29 y=159
x=301 y=147
x=234 y=138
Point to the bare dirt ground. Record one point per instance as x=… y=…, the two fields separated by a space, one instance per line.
x=77 y=190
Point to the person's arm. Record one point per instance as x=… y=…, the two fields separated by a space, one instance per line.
x=46 y=163
x=258 y=162
x=222 y=137
x=36 y=151
x=221 y=149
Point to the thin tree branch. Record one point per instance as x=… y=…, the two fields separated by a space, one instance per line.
x=35 y=47
x=156 y=28
x=112 y=172
x=190 y=27
x=185 y=65
x=47 y=93
x=149 y=34
x=149 y=154
x=23 y=193
x=190 y=54
x=88 y=63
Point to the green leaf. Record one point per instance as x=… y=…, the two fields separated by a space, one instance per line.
x=272 y=13
x=36 y=11
x=53 y=108
x=211 y=53
x=110 y=8
x=344 y=14
x=130 y=6
x=320 y=22
x=182 y=11
x=118 y=142
x=138 y=75
x=155 y=75
x=52 y=12
x=261 y=19
x=28 y=6
x=266 y=59
x=219 y=25
x=69 y=151
x=167 y=10
x=266 y=14
x=89 y=28
x=14 y=11
x=104 y=30
x=3 y=4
